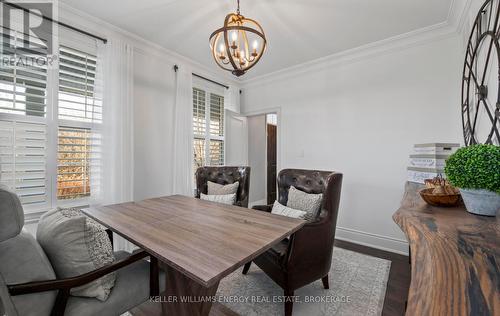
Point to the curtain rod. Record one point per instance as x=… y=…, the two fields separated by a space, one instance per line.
x=54 y=21
x=204 y=78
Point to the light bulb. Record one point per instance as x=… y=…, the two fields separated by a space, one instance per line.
x=242 y=54
x=255 y=44
x=222 y=48
x=234 y=36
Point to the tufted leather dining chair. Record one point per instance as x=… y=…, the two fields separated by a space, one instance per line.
x=307 y=255
x=225 y=175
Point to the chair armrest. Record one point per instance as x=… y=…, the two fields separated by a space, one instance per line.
x=306 y=252
x=263 y=208
x=69 y=283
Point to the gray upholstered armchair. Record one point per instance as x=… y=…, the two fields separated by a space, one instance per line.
x=29 y=286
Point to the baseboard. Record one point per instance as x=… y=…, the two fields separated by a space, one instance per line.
x=259 y=202
x=385 y=243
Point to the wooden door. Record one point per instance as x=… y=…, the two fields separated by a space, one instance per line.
x=271 y=162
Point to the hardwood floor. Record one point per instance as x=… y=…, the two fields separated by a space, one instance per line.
x=399 y=277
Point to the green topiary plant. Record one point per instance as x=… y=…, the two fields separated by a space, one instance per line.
x=475 y=167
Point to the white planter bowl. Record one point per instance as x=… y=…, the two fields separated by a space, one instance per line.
x=481 y=202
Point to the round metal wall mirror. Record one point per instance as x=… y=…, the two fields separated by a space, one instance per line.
x=481 y=77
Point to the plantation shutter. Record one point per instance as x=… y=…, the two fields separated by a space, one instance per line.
x=79 y=114
x=208 y=128
x=216 y=149
x=199 y=127
x=23 y=160
x=199 y=119
x=23 y=111
x=216 y=116
x=23 y=85
x=49 y=125
x=77 y=85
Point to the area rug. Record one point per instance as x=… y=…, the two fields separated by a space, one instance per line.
x=357 y=287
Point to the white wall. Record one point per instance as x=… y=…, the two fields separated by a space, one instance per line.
x=257 y=158
x=154 y=92
x=361 y=118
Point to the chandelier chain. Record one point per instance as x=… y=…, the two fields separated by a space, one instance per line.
x=238 y=10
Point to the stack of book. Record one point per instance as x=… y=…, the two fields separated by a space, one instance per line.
x=428 y=160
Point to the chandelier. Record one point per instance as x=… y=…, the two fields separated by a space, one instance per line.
x=239 y=44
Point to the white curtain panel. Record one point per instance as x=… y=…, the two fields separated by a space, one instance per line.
x=182 y=153
x=117 y=125
x=115 y=172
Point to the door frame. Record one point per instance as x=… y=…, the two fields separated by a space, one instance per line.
x=279 y=141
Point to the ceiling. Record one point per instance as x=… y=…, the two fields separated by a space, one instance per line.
x=297 y=30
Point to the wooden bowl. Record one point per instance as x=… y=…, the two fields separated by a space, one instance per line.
x=440 y=200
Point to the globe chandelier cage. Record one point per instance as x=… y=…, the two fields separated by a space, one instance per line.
x=239 y=44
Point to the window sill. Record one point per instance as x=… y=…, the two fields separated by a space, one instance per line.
x=32 y=216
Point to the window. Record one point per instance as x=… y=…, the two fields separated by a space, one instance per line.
x=199 y=127
x=73 y=163
x=79 y=111
x=49 y=122
x=23 y=120
x=77 y=95
x=208 y=128
x=216 y=135
x=23 y=86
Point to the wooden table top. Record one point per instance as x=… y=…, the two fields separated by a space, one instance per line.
x=204 y=240
x=455 y=259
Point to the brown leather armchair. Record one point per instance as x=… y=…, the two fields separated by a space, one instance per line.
x=307 y=255
x=225 y=175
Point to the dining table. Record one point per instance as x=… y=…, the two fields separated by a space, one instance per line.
x=197 y=243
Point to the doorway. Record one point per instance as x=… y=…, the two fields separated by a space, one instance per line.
x=271 y=153
x=263 y=156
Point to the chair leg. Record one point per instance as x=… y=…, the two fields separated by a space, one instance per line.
x=247 y=267
x=60 y=304
x=288 y=303
x=325 y=282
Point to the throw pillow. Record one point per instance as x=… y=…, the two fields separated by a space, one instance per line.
x=219 y=189
x=280 y=209
x=310 y=203
x=229 y=199
x=76 y=244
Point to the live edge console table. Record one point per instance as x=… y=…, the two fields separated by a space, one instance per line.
x=455 y=258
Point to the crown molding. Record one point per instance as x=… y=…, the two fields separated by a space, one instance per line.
x=459 y=12
x=456 y=18
x=454 y=24
x=73 y=16
x=389 y=45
